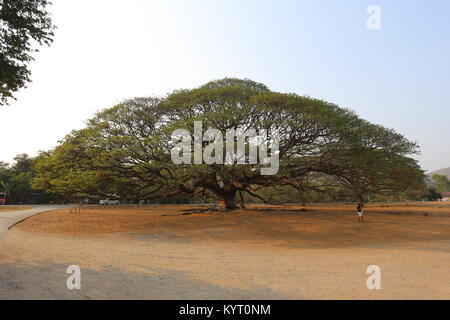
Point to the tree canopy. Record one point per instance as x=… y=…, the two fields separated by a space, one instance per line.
x=126 y=150
x=441 y=183
x=24 y=24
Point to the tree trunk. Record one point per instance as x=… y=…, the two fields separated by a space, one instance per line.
x=241 y=197
x=361 y=199
x=227 y=200
x=302 y=198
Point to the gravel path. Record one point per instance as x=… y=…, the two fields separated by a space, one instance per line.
x=10 y=218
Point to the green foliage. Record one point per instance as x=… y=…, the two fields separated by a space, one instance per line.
x=23 y=24
x=432 y=195
x=441 y=183
x=371 y=160
x=16 y=180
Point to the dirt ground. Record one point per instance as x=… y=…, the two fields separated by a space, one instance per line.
x=264 y=252
x=288 y=226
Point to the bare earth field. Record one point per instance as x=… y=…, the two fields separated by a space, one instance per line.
x=264 y=252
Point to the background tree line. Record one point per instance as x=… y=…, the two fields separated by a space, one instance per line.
x=17 y=180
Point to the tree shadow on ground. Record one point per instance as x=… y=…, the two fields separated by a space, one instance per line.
x=48 y=281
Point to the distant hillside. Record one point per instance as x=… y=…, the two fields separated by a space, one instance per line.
x=444 y=172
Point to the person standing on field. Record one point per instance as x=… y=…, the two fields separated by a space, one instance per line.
x=359 y=209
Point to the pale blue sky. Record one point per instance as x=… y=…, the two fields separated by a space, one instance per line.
x=105 y=51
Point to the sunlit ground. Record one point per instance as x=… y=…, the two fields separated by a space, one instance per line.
x=265 y=252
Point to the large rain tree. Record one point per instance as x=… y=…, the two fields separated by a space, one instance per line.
x=24 y=25
x=127 y=149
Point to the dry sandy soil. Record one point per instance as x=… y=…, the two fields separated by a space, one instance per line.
x=264 y=252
